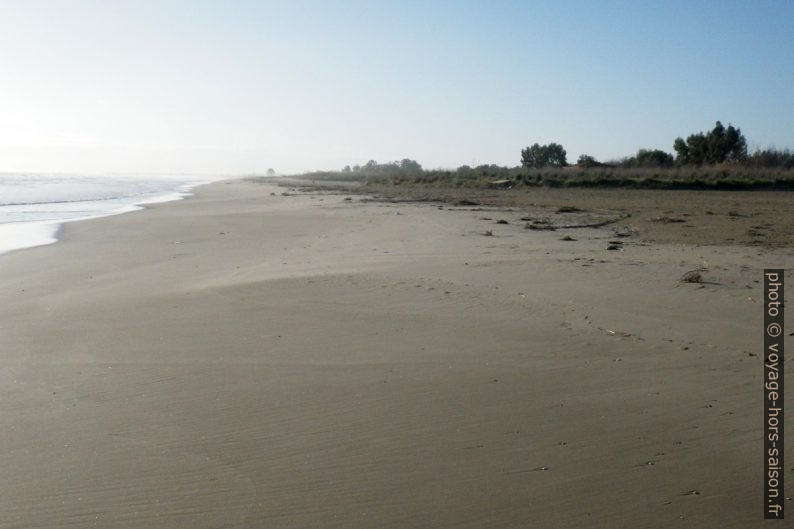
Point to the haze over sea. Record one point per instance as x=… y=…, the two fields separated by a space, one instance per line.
x=33 y=206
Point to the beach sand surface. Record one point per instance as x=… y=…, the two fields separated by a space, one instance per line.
x=245 y=358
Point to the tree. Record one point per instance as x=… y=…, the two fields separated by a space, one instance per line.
x=404 y=167
x=585 y=160
x=771 y=158
x=556 y=155
x=653 y=158
x=537 y=156
x=410 y=166
x=717 y=146
x=271 y=172
x=736 y=143
x=532 y=156
x=681 y=151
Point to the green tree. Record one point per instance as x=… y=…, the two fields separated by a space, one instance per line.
x=716 y=146
x=556 y=155
x=736 y=144
x=537 y=156
x=585 y=160
x=410 y=166
x=771 y=158
x=653 y=158
x=681 y=151
x=532 y=156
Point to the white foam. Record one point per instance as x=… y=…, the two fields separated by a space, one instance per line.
x=19 y=235
x=38 y=223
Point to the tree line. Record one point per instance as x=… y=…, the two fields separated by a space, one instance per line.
x=404 y=167
x=720 y=145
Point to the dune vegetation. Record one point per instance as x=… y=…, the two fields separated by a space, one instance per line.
x=716 y=159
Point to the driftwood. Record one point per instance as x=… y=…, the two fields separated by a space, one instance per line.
x=594 y=224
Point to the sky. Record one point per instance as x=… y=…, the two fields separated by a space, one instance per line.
x=237 y=87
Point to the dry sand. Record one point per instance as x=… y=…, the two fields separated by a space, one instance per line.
x=242 y=359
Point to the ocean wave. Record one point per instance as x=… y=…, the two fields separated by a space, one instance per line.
x=34 y=208
x=96 y=199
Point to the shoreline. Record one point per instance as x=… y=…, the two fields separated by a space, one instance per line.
x=31 y=234
x=246 y=358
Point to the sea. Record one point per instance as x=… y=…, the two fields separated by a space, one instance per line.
x=34 y=206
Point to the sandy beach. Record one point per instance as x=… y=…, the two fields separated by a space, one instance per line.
x=249 y=358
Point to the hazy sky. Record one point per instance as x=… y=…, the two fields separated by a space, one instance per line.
x=237 y=87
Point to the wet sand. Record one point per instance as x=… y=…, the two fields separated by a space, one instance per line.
x=249 y=359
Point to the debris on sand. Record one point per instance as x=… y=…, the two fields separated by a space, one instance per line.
x=567 y=238
x=569 y=209
x=539 y=225
x=502 y=221
x=690 y=493
x=500 y=183
x=664 y=219
x=488 y=233
x=625 y=232
x=693 y=276
x=597 y=224
x=465 y=202
x=610 y=332
x=615 y=247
